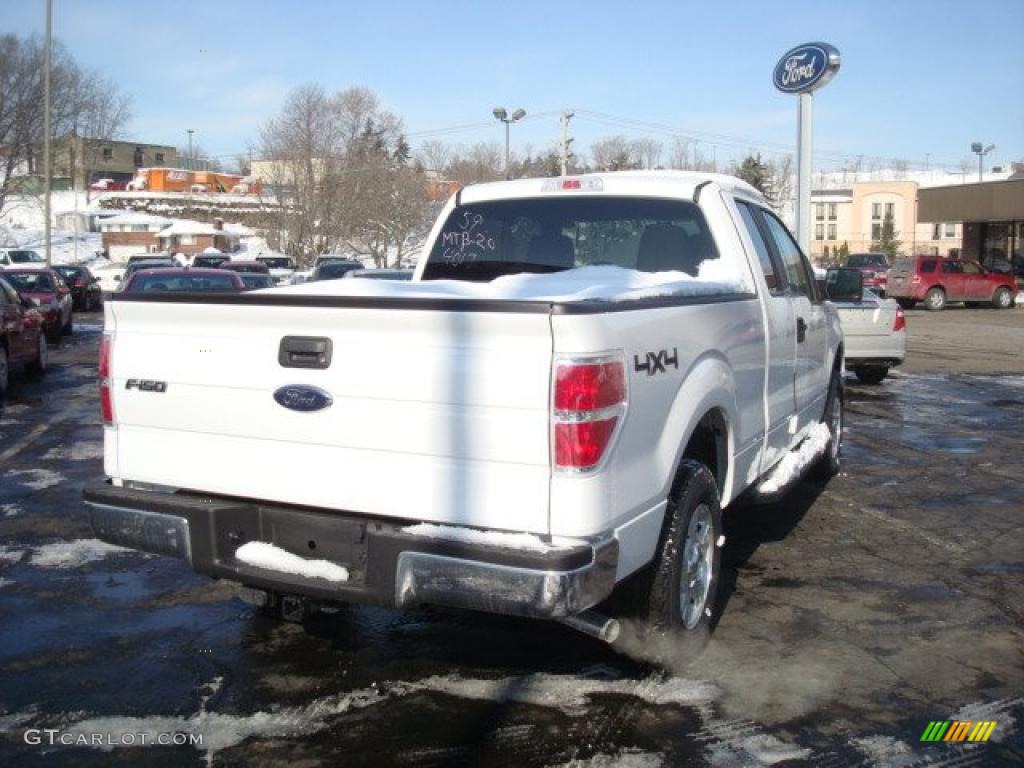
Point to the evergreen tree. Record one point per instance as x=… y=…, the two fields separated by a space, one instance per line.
x=755 y=172
x=887 y=243
x=844 y=251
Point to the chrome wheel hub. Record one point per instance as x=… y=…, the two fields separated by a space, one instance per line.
x=698 y=562
x=836 y=426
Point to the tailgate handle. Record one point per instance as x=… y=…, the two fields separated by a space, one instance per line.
x=304 y=352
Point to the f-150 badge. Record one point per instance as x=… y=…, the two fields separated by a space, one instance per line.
x=657 y=362
x=299 y=397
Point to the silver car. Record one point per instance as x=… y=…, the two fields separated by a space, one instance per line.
x=875 y=336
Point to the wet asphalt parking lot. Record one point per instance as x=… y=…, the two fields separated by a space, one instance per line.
x=854 y=615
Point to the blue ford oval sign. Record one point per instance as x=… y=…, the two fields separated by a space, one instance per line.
x=299 y=397
x=806 y=68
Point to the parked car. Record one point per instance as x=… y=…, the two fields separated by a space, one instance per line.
x=937 y=281
x=254 y=280
x=281 y=268
x=136 y=266
x=48 y=291
x=252 y=267
x=874 y=267
x=86 y=292
x=109 y=275
x=332 y=270
x=183 y=280
x=328 y=258
x=573 y=430
x=22 y=338
x=19 y=257
x=380 y=274
x=874 y=329
x=209 y=260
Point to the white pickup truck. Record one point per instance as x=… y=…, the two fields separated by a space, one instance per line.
x=583 y=372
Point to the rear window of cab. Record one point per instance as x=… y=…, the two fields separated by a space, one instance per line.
x=928 y=265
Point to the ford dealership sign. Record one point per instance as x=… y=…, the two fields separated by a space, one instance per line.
x=806 y=68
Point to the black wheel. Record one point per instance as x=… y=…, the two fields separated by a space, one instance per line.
x=829 y=464
x=871 y=374
x=38 y=366
x=676 y=597
x=69 y=327
x=906 y=303
x=4 y=371
x=935 y=299
x=1002 y=299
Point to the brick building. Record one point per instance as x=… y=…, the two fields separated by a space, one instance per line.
x=128 y=234
x=190 y=237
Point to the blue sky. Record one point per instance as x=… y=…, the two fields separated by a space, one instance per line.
x=918 y=78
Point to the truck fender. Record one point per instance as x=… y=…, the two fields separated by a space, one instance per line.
x=707 y=386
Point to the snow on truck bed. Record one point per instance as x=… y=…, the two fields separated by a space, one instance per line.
x=580 y=284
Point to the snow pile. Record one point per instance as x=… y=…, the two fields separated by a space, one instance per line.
x=758 y=749
x=10 y=554
x=259 y=554
x=72 y=554
x=795 y=462
x=629 y=758
x=4 y=582
x=36 y=479
x=580 y=284
x=527 y=541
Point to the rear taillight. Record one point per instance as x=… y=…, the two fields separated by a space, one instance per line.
x=901 y=320
x=79 y=283
x=106 y=397
x=915 y=280
x=588 y=401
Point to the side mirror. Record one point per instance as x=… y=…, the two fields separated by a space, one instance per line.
x=844 y=285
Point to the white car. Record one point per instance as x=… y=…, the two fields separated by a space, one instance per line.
x=582 y=374
x=20 y=257
x=875 y=335
x=281 y=268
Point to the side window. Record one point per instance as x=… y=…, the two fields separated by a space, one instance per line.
x=970 y=269
x=927 y=266
x=792 y=259
x=951 y=268
x=764 y=254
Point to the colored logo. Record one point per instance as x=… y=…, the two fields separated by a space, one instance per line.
x=299 y=397
x=958 y=730
x=806 y=68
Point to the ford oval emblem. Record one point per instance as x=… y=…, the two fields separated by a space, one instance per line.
x=299 y=397
x=806 y=68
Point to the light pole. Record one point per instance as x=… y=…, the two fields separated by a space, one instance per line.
x=976 y=148
x=503 y=116
x=47 y=129
x=191 y=161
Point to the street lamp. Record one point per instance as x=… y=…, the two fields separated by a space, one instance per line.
x=191 y=162
x=503 y=116
x=976 y=148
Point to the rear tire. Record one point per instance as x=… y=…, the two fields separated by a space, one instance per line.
x=1002 y=299
x=871 y=374
x=935 y=299
x=38 y=366
x=676 y=597
x=828 y=466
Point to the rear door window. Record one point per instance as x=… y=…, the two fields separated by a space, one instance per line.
x=927 y=266
x=797 y=271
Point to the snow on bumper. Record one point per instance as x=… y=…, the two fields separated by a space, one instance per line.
x=384 y=563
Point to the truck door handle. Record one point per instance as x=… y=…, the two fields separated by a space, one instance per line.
x=801 y=330
x=304 y=352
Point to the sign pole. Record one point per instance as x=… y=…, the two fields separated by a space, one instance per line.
x=804 y=141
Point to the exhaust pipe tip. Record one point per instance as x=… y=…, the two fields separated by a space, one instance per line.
x=595 y=625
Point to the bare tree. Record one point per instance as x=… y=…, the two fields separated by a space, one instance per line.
x=615 y=153
x=481 y=162
x=435 y=156
x=679 y=158
x=83 y=103
x=649 y=152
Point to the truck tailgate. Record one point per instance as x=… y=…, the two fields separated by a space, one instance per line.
x=870 y=317
x=437 y=415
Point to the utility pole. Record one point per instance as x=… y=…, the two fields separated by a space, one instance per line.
x=47 y=167
x=566 y=141
x=191 y=160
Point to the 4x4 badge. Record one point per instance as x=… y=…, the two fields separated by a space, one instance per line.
x=656 y=362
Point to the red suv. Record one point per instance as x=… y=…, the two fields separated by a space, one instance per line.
x=937 y=281
x=873 y=266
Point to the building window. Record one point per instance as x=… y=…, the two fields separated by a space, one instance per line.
x=108 y=153
x=819 y=212
x=187 y=240
x=832 y=211
x=936 y=231
x=831 y=231
x=950 y=229
x=890 y=210
x=876 y=231
x=876 y=210
x=819 y=231
x=159 y=157
x=139 y=228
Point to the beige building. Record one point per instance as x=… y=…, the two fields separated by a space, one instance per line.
x=856 y=215
x=89 y=160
